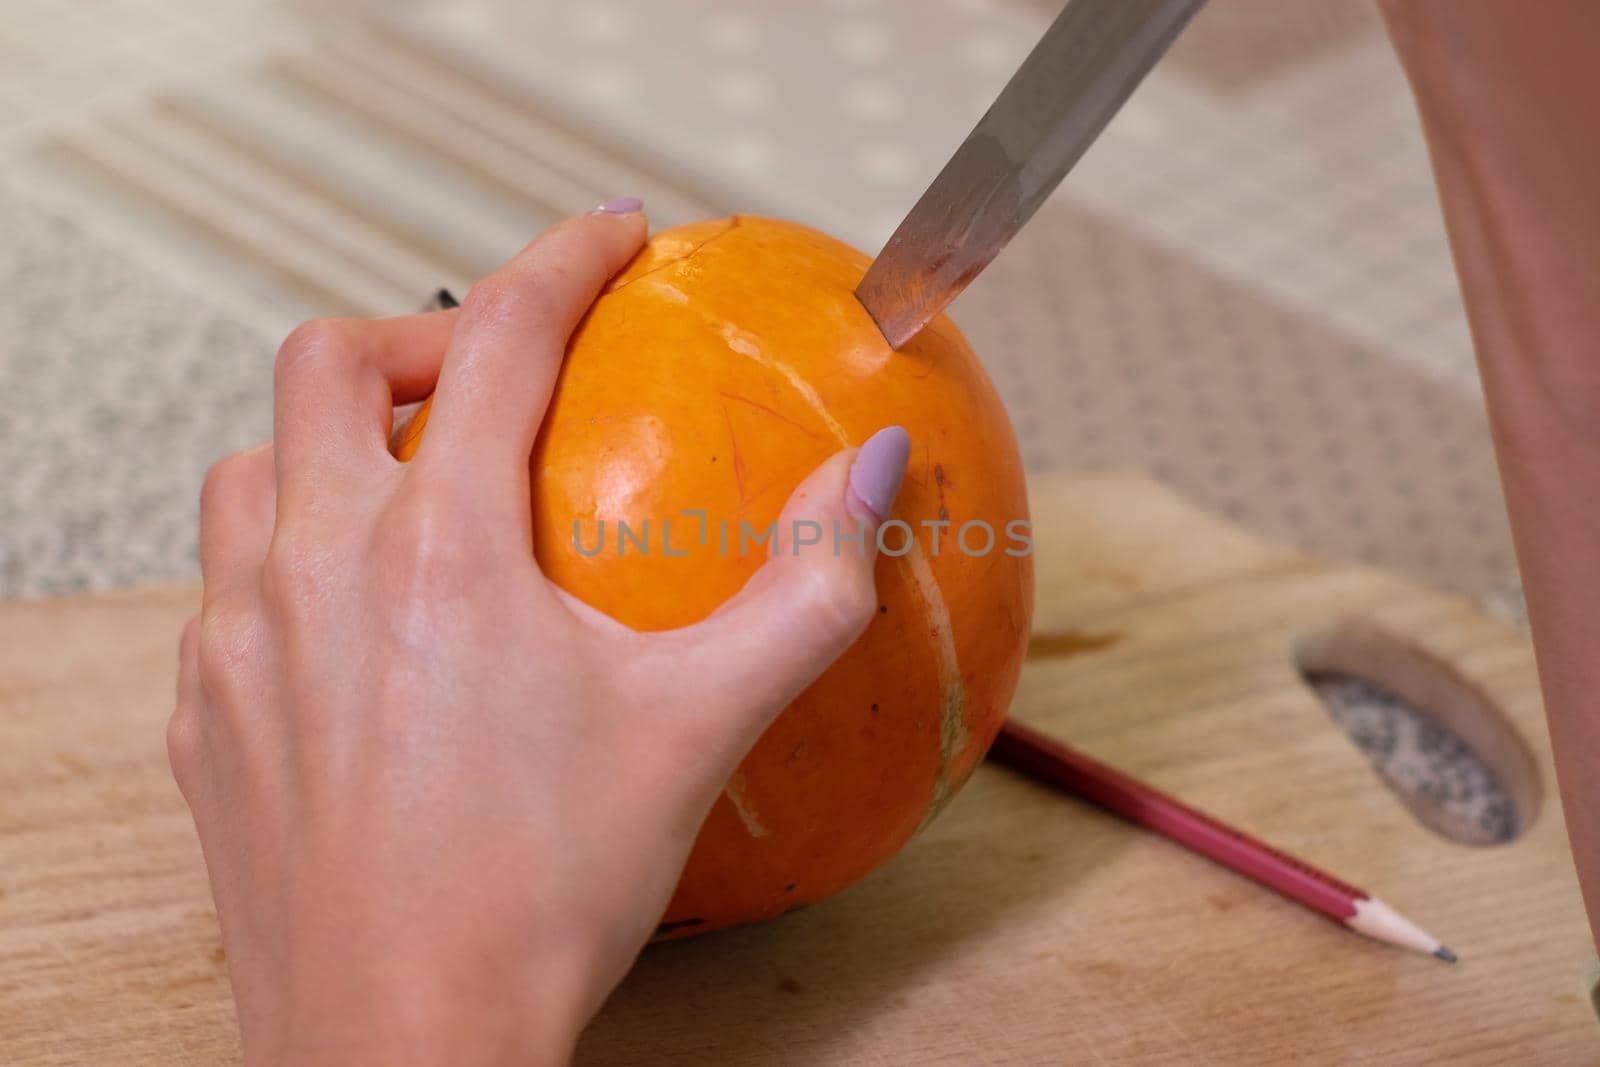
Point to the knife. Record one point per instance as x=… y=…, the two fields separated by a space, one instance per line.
x=1085 y=66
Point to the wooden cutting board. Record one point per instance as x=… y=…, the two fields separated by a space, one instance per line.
x=1022 y=927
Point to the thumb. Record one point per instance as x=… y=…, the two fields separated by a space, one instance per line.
x=805 y=605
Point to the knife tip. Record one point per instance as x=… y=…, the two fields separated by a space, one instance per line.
x=896 y=329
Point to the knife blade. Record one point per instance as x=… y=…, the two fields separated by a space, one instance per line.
x=1085 y=66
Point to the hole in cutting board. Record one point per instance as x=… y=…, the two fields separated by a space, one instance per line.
x=1440 y=779
x=1438 y=743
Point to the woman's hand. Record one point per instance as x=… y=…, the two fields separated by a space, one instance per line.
x=1506 y=94
x=442 y=803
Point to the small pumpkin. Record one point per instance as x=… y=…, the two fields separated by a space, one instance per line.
x=723 y=364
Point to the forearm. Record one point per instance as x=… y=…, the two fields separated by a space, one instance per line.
x=1507 y=93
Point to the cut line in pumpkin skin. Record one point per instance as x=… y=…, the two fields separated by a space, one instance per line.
x=913 y=566
x=952 y=709
x=734 y=791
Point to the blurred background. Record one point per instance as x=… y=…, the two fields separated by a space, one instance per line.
x=1244 y=288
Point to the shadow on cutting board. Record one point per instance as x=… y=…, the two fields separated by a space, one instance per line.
x=794 y=989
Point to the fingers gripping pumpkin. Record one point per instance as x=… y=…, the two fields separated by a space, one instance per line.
x=714 y=373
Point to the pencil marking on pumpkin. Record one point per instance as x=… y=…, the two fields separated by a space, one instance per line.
x=780 y=416
x=682 y=257
x=738 y=459
x=734 y=791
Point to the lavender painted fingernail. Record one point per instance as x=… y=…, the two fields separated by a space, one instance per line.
x=620 y=205
x=875 y=476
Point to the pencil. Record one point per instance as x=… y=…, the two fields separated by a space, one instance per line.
x=1038 y=756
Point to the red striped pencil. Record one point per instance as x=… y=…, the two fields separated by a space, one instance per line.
x=1031 y=752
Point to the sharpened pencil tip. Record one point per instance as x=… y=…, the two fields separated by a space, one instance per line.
x=1445 y=954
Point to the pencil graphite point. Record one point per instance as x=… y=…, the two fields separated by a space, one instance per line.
x=1445 y=954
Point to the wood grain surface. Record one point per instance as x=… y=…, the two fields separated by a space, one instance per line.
x=1022 y=927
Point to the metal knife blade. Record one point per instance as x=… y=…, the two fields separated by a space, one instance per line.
x=1079 y=74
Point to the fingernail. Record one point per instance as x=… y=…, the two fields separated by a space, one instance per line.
x=875 y=476
x=620 y=205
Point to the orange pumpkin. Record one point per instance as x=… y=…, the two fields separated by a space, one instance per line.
x=724 y=363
